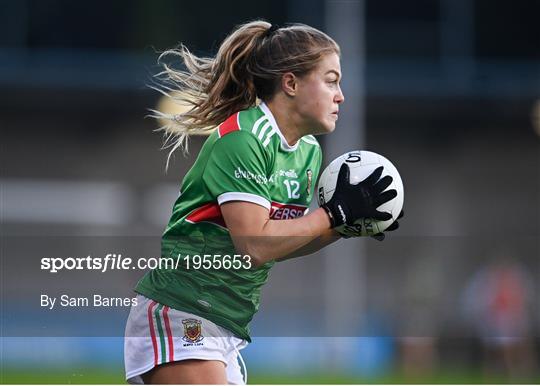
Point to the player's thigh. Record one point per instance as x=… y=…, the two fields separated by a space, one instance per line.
x=189 y=371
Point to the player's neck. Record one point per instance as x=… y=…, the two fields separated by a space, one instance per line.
x=286 y=120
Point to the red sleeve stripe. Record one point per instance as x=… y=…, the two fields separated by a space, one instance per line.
x=230 y=125
x=209 y=212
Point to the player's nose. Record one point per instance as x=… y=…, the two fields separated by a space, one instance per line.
x=339 y=98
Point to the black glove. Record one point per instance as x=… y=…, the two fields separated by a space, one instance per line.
x=392 y=227
x=352 y=202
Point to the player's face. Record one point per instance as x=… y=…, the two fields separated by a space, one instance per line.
x=319 y=95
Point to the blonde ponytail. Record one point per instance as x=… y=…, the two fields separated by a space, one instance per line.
x=249 y=65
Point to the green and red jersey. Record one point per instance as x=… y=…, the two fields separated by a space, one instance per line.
x=245 y=159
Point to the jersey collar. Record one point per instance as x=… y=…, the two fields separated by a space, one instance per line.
x=284 y=144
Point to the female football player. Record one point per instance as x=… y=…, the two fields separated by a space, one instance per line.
x=242 y=206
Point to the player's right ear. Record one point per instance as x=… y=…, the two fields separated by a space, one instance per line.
x=289 y=84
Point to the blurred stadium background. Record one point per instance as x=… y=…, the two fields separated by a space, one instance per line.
x=449 y=90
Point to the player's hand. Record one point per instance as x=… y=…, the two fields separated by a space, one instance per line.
x=392 y=227
x=352 y=202
x=348 y=231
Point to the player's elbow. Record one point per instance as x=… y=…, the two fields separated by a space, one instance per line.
x=252 y=253
x=255 y=243
x=255 y=258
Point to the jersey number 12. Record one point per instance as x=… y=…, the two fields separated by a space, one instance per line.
x=293 y=187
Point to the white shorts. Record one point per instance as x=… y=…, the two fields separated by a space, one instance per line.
x=157 y=334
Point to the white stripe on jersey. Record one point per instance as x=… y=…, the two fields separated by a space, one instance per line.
x=260 y=128
x=238 y=121
x=269 y=136
x=264 y=128
x=257 y=123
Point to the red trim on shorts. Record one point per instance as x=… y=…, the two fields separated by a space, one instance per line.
x=169 y=333
x=152 y=332
x=230 y=125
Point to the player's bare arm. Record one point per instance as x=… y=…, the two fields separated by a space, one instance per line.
x=255 y=234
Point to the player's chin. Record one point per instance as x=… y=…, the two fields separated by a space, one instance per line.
x=329 y=127
x=324 y=127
